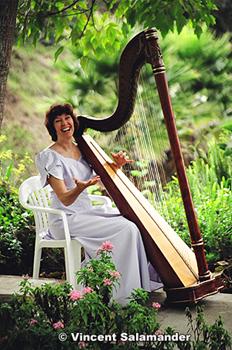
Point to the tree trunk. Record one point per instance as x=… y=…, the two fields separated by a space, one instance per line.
x=8 y=11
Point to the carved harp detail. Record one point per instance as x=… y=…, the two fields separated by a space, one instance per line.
x=185 y=274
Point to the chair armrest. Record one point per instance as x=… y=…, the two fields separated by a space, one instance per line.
x=105 y=200
x=45 y=209
x=53 y=211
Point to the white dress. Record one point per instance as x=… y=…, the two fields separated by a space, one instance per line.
x=92 y=225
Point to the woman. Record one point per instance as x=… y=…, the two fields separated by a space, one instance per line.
x=67 y=171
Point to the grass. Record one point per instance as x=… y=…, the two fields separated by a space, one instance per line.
x=34 y=84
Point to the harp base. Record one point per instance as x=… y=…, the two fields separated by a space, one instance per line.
x=194 y=293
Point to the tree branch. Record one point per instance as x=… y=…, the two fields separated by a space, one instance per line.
x=48 y=14
x=60 y=11
x=88 y=18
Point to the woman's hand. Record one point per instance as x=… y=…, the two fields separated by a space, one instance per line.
x=121 y=159
x=84 y=184
x=68 y=197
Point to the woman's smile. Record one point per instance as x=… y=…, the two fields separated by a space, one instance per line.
x=64 y=124
x=65 y=129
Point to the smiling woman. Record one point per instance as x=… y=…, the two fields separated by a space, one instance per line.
x=60 y=114
x=68 y=172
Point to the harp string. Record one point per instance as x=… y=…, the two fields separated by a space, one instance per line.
x=140 y=144
x=152 y=181
x=157 y=141
x=145 y=139
x=155 y=131
x=140 y=124
x=153 y=172
x=142 y=138
x=137 y=154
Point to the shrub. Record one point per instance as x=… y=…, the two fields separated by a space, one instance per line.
x=56 y=317
x=17 y=237
x=37 y=315
x=210 y=182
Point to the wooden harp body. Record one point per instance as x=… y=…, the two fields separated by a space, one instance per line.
x=183 y=271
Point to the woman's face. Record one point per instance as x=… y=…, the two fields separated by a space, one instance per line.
x=64 y=126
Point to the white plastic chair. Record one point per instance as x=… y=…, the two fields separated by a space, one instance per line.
x=32 y=196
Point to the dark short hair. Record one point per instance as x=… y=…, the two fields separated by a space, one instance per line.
x=53 y=112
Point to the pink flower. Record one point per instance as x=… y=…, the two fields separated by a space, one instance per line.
x=58 y=325
x=156 y=306
x=107 y=282
x=106 y=246
x=32 y=322
x=82 y=345
x=115 y=274
x=159 y=332
x=75 y=295
x=87 y=290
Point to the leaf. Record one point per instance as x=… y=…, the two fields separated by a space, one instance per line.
x=58 y=52
x=198 y=30
x=9 y=170
x=84 y=61
x=59 y=5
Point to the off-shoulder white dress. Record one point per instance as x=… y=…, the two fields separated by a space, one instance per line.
x=92 y=225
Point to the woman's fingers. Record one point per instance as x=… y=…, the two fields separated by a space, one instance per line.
x=121 y=158
x=93 y=181
x=87 y=183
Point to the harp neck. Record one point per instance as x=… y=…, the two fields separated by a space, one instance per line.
x=143 y=48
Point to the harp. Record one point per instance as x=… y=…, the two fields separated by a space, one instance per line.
x=183 y=271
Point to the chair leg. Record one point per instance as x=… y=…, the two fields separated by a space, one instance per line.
x=73 y=262
x=67 y=268
x=36 y=264
x=76 y=252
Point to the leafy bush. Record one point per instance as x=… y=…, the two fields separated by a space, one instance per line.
x=15 y=222
x=210 y=179
x=206 y=336
x=37 y=315
x=55 y=316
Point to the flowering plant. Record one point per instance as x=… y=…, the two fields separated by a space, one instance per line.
x=38 y=315
x=100 y=274
x=54 y=316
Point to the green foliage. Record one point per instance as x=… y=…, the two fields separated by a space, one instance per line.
x=74 y=20
x=165 y=15
x=92 y=21
x=206 y=336
x=14 y=221
x=37 y=317
x=12 y=167
x=202 y=80
x=198 y=71
x=96 y=272
x=210 y=182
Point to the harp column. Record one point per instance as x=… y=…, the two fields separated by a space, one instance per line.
x=154 y=57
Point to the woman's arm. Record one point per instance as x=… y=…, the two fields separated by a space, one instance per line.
x=67 y=197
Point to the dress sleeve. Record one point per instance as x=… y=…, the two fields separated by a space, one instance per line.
x=48 y=163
